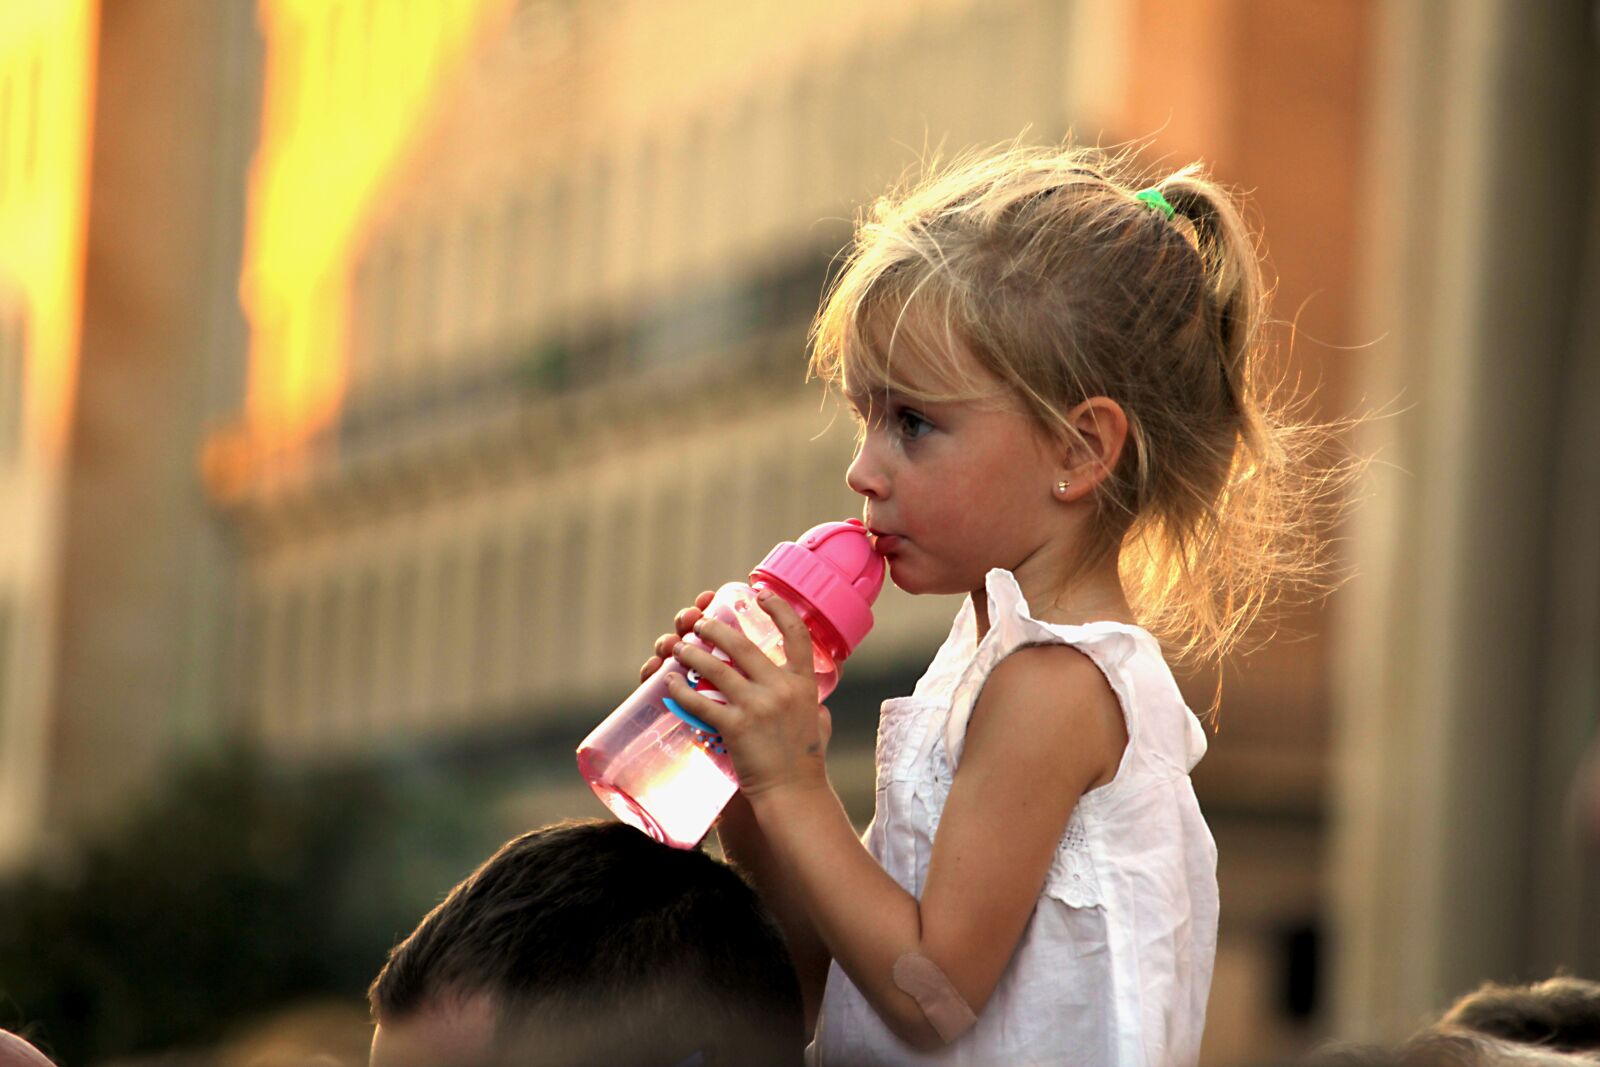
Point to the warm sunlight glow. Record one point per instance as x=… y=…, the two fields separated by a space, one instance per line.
x=346 y=85
x=47 y=50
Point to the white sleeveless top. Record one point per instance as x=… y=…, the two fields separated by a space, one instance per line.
x=1115 y=963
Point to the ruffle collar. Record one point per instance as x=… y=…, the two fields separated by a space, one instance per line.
x=1011 y=626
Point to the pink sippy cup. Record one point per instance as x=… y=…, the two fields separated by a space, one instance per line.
x=659 y=768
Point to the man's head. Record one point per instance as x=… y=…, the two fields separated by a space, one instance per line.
x=1561 y=1013
x=587 y=942
x=1554 y=1023
x=15 y=1052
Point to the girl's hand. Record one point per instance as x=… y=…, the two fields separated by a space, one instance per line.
x=683 y=622
x=775 y=731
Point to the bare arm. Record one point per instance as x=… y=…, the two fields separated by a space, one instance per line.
x=747 y=849
x=1047 y=728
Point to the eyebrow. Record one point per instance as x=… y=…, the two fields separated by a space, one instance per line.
x=892 y=395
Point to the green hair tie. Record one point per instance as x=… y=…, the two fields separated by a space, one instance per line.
x=1153 y=197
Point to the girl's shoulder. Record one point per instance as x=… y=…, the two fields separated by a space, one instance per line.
x=1127 y=657
x=1051 y=701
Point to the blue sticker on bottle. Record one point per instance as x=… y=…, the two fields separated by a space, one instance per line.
x=677 y=709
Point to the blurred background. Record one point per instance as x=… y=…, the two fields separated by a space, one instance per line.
x=379 y=377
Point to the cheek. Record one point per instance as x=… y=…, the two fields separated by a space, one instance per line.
x=966 y=502
x=973 y=518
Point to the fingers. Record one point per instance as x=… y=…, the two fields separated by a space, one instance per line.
x=742 y=652
x=686 y=618
x=717 y=667
x=797 y=648
x=662 y=649
x=712 y=713
x=683 y=622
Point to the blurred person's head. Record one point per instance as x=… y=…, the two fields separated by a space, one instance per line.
x=1554 y=1023
x=1561 y=1013
x=15 y=1052
x=1443 y=1046
x=589 y=943
x=1449 y=1046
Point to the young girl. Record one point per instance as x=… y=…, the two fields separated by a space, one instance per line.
x=1061 y=413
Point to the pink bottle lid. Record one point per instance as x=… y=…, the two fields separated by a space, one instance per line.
x=835 y=568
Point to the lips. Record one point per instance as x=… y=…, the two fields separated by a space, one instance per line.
x=884 y=542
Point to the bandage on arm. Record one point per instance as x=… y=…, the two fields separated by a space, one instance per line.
x=946 y=1010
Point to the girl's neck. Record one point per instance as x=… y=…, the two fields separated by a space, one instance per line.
x=1093 y=595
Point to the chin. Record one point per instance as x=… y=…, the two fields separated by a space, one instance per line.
x=908 y=580
x=898 y=574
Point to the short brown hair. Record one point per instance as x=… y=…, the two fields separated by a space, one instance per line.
x=600 y=945
x=1559 y=1013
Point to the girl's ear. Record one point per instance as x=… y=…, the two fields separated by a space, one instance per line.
x=1101 y=428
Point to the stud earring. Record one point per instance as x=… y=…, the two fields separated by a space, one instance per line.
x=1061 y=487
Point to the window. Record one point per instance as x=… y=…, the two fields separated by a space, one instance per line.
x=401 y=673
x=454 y=294
x=8 y=128
x=13 y=380
x=530 y=596
x=325 y=657
x=554 y=256
x=569 y=622
x=488 y=635
x=507 y=313
x=7 y=614
x=623 y=587
x=422 y=302
x=362 y=649
x=291 y=666
x=600 y=224
x=387 y=294
x=471 y=315
x=32 y=106
x=663 y=543
x=448 y=625
x=337 y=65
x=359 y=323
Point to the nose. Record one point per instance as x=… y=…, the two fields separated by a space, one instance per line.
x=865 y=474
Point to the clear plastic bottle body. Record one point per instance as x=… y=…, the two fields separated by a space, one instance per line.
x=660 y=773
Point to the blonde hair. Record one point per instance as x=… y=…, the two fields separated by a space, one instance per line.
x=1041 y=267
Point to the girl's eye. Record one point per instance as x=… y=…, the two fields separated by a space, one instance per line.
x=906 y=420
x=911 y=419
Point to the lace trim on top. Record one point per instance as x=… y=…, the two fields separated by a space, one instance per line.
x=1071 y=878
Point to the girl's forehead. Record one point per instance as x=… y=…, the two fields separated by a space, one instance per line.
x=911 y=380
x=898 y=353
x=916 y=366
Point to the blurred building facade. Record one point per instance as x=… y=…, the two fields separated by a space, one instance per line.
x=147 y=568
x=494 y=358
x=1468 y=680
